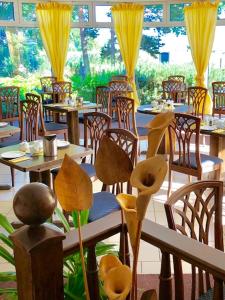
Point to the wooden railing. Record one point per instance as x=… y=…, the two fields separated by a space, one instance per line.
x=39 y=256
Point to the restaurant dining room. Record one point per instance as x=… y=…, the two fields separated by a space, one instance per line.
x=112 y=150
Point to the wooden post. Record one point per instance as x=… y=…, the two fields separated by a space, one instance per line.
x=38 y=249
x=92 y=274
x=165 y=285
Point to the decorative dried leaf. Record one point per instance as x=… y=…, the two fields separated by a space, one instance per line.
x=107 y=263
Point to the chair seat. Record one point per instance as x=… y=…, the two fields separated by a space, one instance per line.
x=142 y=131
x=88 y=168
x=207 y=161
x=104 y=203
x=51 y=126
x=209 y=295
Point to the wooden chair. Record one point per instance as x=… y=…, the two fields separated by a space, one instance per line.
x=179 y=78
x=218 y=98
x=9 y=104
x=45 y=128
x=195 y=210
x=173 y=90
x=183 y=130
x=197 y=97
x=126 y=117
x=95 y=123
x=46 y=83
x=61 y=91
x=103 y=98
x=119 y=77
x=47 y=93
x=117 y=88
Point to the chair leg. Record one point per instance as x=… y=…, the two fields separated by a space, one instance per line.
x=66 y=135
x=218 y=173
x=169 y=183
x=12 y=176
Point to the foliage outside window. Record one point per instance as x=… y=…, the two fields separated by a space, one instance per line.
x=6 y=11
x=177 y=11
x=221 y=11
x=80 y=13
x=153 y=13
x=29 y=12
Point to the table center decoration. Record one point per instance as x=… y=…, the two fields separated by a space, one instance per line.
x=73 y=189
x=147 y=177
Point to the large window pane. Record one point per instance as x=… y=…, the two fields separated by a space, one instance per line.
x=80 y=13
x=153 y=13
x=29 y=12
x=177 y=12
x=103 y=13
x=6 y=11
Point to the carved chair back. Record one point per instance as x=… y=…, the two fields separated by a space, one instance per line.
x=61 y=91
x=195 y=210
x=218 y=97
x=30 y=113
x=95 y=124
x=46 y=83
x=33 y=97
x=126 y=113
x=117 y=88
x=183 y=130
x=171 y=89
x=197 y=98
x=179 y=78
x=9 y=103
x=103 y=98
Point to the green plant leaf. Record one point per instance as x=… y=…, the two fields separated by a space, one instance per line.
x=6 y=255
x=4 y=223
x=62 y=218
x=83 y=217
x=6 y=240
x=7 y=276
x=103 y=249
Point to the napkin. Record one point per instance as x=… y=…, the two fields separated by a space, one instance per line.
x=19 y=159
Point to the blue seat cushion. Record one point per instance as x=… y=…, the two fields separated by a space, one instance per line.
x=209 y=295
x=104 y=203
x=142 y=131
x=51 y=126
x=206 y=160
x=88 y=168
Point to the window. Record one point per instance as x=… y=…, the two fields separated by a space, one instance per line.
x=80 y=13
x=177 y=12
x=29 y=12
x=221 y=11
x=103 y=13
x=6 y=11
x=153 y=13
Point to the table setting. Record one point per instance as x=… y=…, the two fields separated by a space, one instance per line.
x=213 y=124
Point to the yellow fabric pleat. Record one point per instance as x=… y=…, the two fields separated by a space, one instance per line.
x=200 y=19
x=55 y=21
x=128 y=23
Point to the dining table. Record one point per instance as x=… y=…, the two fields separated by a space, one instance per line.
x=39 y=166
x=72 y=117
x=216 y=135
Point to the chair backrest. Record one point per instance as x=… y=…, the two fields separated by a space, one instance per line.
x=197 y=97
x=33 y=97
x=46 y=83
x=218 y=97
x=95 y=124
x=183 y=130
x=61 y=91
x=30 y=112
x=126 y=113
x=119 y=77
x=171 y=88
x=126 y=140
x=157 y=128
x=195 y=210
x=180 y=78
x=9 y=103
x=119 y=85
x=103 y=98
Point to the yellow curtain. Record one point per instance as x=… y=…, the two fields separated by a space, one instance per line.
x=54 y=21
x=128 y=23
x=200 y=19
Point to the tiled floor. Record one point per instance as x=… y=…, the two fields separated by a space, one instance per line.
x=149 y=259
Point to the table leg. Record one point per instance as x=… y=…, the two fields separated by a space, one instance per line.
x=73 y=127
x=217 y=148
x=43 y=177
